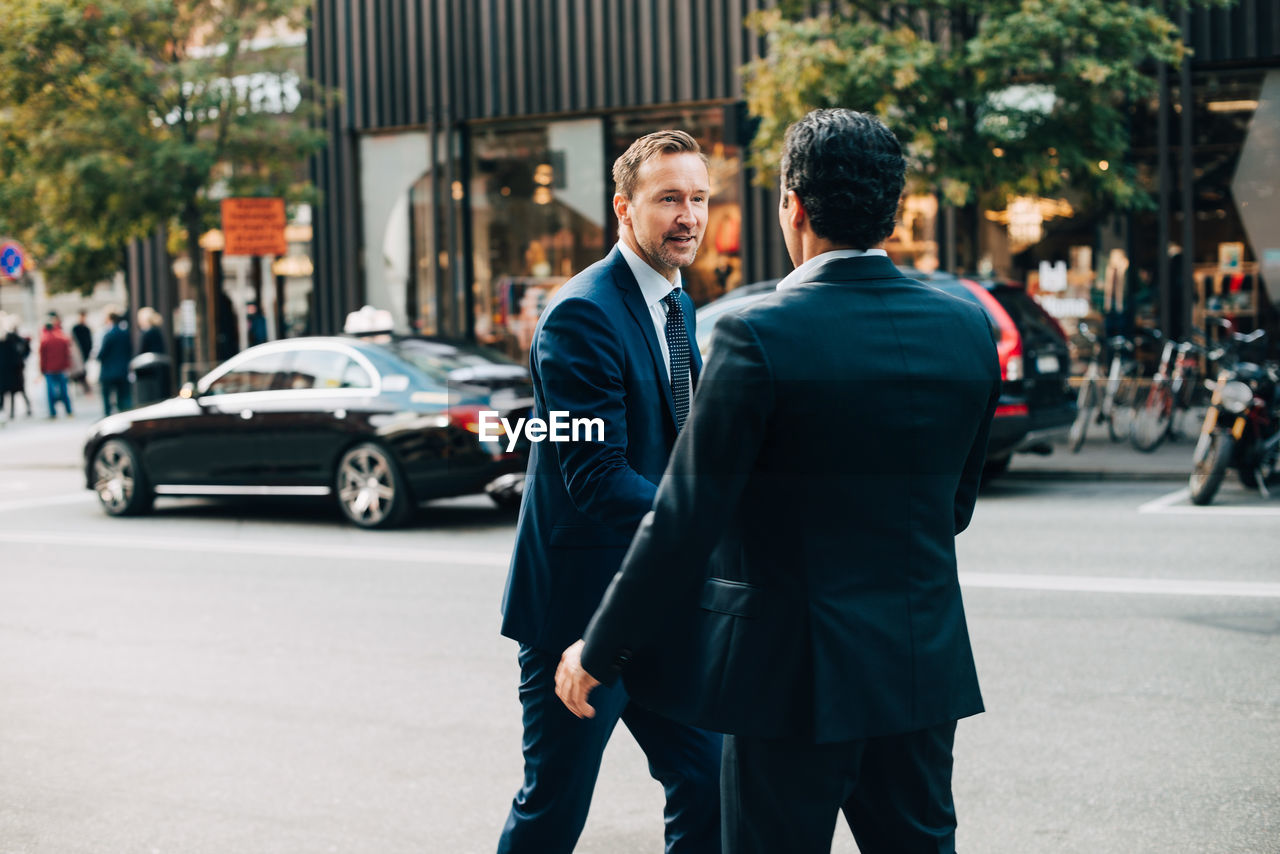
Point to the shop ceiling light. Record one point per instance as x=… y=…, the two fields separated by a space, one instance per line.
x=1232 y=106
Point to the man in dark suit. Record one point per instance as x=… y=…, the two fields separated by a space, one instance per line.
x=807 y=522
x=617 y=344
x=114 y=354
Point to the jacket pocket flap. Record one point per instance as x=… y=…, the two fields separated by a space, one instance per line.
x=731 y=597
x=590 y=537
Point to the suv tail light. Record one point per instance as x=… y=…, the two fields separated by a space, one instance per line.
x=1008 y=341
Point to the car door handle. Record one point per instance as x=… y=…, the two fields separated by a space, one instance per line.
x=246 y=414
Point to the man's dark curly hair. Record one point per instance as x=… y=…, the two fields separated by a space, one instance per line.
x=848 y=171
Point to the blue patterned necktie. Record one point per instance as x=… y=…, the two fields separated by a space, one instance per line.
x=678 y=347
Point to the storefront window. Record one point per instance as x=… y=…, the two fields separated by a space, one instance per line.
x=538 y=206
x=541 y=208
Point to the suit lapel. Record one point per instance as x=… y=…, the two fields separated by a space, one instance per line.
x=695 y=357
x=634 y=302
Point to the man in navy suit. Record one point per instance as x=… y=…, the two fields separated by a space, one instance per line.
x=802 y=543
x=616 y=343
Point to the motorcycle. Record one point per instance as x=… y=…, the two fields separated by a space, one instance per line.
x=1241 y=428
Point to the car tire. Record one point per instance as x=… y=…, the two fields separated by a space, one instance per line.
x=1209 y=465
x=120 y=481
x=371 y=490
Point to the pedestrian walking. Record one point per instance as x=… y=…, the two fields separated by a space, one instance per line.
x=114 y=355
x=14 y=349
x=257 y=325
x=55 y=364
x=151 y=339
x=82 y=336
x=152 y=380
x=617 y=343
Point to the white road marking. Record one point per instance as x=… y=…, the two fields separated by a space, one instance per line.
x=14 y=486
x=1158 y=504
x=1171 y=505
x=430 y=556
x=48 y=501
x=1116 y=584
x=184 y=545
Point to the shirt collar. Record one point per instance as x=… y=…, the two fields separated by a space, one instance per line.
x=800 y=274
x=654 y=286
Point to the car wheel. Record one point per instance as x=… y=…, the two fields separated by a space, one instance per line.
x=120 y=481
x=370 y=488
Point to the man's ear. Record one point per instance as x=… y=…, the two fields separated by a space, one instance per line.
x=795 y=211
x=622 y=209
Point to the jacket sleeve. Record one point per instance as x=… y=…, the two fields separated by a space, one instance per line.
x=700 y=492
x=580 y=363
x=971 y=476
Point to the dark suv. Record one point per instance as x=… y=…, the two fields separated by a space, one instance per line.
x=1036 y=404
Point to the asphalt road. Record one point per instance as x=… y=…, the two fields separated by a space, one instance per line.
x=222 y=678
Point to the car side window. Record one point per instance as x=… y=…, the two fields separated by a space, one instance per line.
x=325 y=369
x=355 y=376
x=258 y=374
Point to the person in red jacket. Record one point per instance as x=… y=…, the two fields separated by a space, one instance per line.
x=55 y=363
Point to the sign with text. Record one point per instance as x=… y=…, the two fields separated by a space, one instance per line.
x=254 y=226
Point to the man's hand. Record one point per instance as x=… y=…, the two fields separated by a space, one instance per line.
x=573 y=684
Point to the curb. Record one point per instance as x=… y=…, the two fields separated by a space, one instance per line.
x=1062 y=474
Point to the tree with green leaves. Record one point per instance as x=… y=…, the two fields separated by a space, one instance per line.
x=993 y=98
x=118 y=117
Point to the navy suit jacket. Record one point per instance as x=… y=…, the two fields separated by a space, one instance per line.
x=797 y=577
x=115 y=352
x=595 y=354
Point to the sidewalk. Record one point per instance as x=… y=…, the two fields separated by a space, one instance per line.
x=41 y=442
x=1102 y=459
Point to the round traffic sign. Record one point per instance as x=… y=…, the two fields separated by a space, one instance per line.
x=12 y=260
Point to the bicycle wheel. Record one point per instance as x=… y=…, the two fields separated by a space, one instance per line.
x=1123 y=409
x=1086 y=403
x=1151 y=422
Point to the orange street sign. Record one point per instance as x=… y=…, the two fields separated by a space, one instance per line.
x=254 y=226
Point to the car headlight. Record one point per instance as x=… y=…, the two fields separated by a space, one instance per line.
x=1236 y=396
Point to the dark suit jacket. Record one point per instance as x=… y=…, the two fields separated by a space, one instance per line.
x=833 y=452
x=595 y=354
x=115 y=352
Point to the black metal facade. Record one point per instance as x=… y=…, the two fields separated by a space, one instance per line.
x=440 y=64
x=1248 y=32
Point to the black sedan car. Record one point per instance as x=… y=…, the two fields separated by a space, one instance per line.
x=380 y=426
x=1036 y=403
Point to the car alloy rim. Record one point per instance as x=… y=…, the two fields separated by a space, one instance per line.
x=113 y=477
x=365 y=486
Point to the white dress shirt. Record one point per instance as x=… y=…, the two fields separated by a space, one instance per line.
x=654 y=287
x=800 y=274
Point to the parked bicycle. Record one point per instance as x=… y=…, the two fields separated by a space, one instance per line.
x=1176 y=389
x=1110 y=401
